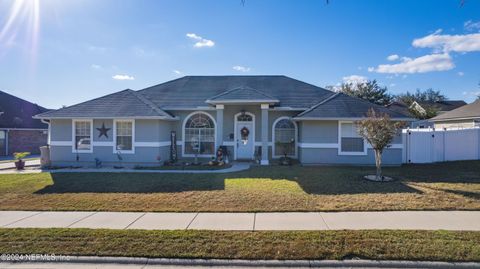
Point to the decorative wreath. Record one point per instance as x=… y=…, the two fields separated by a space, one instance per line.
x=245 y=132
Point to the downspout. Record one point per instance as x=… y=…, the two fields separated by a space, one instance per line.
x=47 y=122
x=6 y=142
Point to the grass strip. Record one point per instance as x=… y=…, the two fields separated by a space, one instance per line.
x=345 y=244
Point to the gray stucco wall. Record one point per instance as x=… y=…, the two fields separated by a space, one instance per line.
x=146 y=130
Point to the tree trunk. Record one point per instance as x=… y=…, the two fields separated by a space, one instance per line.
x=378 y=163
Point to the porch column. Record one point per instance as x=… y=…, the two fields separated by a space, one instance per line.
x=219 y=133
x=264 y=160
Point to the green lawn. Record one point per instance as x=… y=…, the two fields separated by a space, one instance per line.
x=447 y=186
x=383 y=245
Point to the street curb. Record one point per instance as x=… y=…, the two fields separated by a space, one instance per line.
x=263 y=263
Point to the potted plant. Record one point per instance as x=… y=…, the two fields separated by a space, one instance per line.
x=20 y=163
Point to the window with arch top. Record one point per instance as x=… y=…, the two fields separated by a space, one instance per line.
x=199 y=134
x=285 y=132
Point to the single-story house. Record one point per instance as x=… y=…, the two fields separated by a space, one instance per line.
x=19 y=132
x=253 y=117
x=467 y=116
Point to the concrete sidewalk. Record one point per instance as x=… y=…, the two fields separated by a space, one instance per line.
x=398 y=220
x=11 y=165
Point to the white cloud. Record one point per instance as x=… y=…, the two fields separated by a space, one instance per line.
x=240 y=68
x=423 y=64
x=96 y=66
x=354 y=79
x=471 y=26
x=447 y=43
x=472 y=93
x=177 y=72
x=393 y=85
x=201 y=42
x=96 y=49
x=460 y=74
x=393 y=57
x=123 y=77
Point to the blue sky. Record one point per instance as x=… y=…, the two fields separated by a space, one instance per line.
x=72 y=51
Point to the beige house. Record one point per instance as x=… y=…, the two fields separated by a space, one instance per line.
x=467 y=116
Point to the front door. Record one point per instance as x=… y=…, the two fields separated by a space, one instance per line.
x=245 y=140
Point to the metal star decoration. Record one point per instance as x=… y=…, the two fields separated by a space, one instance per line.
x=103 y=130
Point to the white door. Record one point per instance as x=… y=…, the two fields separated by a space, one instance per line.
x=245 y=140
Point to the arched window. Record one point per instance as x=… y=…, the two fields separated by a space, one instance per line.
x=284 y=137
x=199 y=135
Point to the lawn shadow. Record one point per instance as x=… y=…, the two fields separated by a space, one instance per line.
x=334 y=180
x=131 y=183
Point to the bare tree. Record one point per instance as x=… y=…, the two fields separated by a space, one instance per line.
x=379 y=130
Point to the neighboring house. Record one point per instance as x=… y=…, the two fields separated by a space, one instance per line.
x=439 y=107
x=18 y=130
x=254 y=117
x=467 y=116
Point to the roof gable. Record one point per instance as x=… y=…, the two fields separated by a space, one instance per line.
x=340 y=105
x=193 y=91
x=242 y=94
x=468 y=111
x=126 y=103
x=17 y=113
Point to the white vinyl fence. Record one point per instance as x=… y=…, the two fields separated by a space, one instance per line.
x=430 y=145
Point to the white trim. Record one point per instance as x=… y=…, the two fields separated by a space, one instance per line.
x=340 y=152
x=115 y=151
x=73 y=136
x=183 y=135
x=103 y=143
x=220 y=106
x=273 y=137
x=61 y=143
x=391 y=146
x=264 y=106
x=24 y=129
x=318 y=145
x=455 y=119
x=153 y=144
x=228 y=143
x=259 y=144
x=235 y=145
x=242 y=101
x=108 y=118
x=296 y=118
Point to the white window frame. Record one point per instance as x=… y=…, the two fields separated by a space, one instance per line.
x=340 y=152
x=115 y=151
x=74 y=150
x=184 y=140
x=273 y=138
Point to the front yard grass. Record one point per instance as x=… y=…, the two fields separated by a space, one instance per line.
x=443 y=186
x=382 y=244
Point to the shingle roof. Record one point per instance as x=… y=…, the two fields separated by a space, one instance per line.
x=126 y=103
x=193 y=91
x=468 y=111
x=399 y=107
x=446 y=105
x=242 y=93
x=197 y=91
x=17 y=113
x=340 y=105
